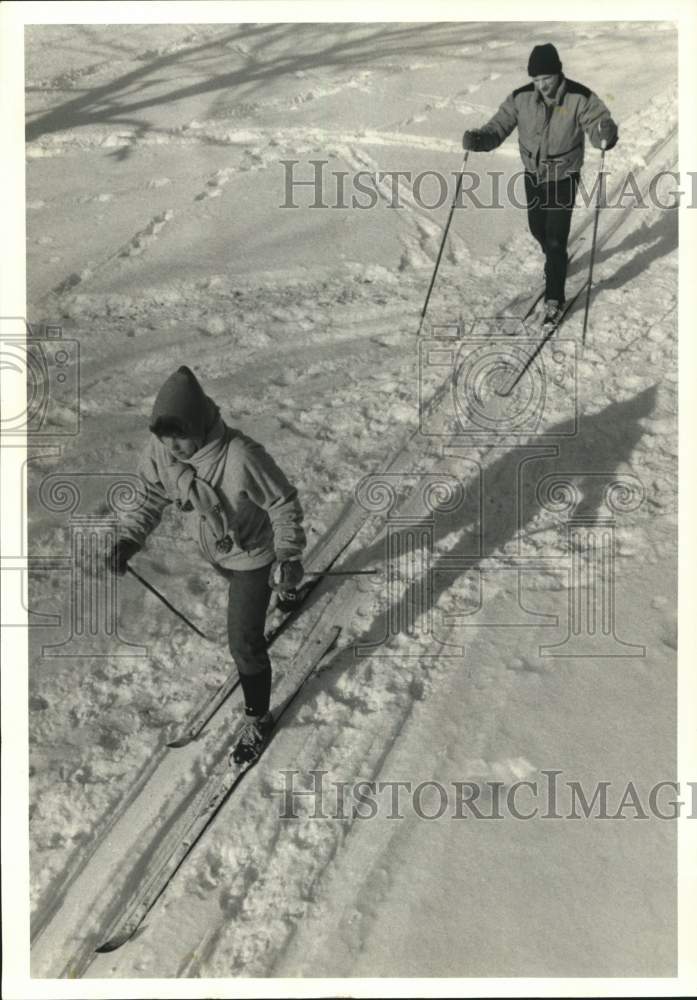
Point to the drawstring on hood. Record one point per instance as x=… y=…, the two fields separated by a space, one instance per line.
x=183 y=409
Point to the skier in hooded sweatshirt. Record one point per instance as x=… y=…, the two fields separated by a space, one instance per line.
x=250 y=526
x=552 y=114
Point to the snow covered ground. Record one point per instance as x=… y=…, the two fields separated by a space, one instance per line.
x=156 y=237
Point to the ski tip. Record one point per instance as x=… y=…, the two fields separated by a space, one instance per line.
x=112 y=944
x=179 y=741
x=334 y=633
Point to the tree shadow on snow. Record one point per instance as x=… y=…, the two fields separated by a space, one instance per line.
x=267 y=52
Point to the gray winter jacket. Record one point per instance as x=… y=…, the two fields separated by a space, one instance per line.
x=260 y=505
x=551 y=136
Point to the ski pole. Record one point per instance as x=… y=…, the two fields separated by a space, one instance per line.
x=595 y=235
x=161 y=597
x=458 y=188
x=316 y=576
x=345 y=572
x=541 y=343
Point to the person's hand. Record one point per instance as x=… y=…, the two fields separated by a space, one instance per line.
x=285 y=577
x=607 y=133
x=121 y=552
x=474 y=140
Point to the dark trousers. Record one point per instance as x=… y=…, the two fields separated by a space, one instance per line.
x=249 y=594
x=549 y=216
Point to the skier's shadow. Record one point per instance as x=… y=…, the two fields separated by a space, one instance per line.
x=652 y=242
x=488 y=521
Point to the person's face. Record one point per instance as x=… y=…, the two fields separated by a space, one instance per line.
x=180 y=447
x=547 y=85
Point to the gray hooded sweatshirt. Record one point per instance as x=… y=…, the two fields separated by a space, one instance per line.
x=247 y=512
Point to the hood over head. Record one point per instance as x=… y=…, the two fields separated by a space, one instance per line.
x=181 y=407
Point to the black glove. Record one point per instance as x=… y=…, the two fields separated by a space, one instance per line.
x=285 y=577
x=607 y=132
x=474 y=140
x=122 y=551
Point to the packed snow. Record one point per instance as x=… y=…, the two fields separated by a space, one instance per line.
x=156 y=237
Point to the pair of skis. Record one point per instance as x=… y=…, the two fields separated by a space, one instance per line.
x=226 y=777
x=217 y=788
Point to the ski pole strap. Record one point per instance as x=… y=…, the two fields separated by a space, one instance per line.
x=161 y=597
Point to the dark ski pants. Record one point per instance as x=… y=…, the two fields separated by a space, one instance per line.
x=249 y=594
x=549 y=216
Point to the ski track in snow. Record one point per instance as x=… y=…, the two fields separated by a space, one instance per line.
x=338 y=377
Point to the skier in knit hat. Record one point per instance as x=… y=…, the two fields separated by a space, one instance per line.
x=249 y=526
x=552 y=114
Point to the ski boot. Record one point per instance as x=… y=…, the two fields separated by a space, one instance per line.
x=553 y=313
x=253 y=740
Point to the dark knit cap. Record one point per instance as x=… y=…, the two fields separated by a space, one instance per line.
x=181 y=408
x=544 y=61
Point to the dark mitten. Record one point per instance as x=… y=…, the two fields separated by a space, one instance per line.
x=607 y=132
x=118 y=557
x=474 y=140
